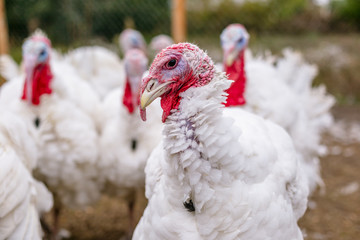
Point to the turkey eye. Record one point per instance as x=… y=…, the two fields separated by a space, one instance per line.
x=42 y=53
x=171 y=63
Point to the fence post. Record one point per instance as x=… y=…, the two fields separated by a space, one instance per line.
x=179 y=20
x=4 y=38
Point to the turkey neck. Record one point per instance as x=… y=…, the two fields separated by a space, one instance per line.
x=40 y=84
x=197 y=142
x=236 y=72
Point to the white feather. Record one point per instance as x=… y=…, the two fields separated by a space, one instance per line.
x=123 y=166
x=8 y=67
x=21 y=202
x=247 y=185
x=99 y=66
x=67 y=137
x=283 y=93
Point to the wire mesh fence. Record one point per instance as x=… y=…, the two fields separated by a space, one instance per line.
x=76 y=22
x=73 y=21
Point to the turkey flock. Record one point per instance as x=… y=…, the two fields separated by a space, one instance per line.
x=221 y=150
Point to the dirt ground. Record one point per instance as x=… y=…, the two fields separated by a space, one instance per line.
x=337 y=212
x=334 y=215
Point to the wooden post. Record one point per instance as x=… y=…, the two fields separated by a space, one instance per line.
x=4 y=38
x=179 y=20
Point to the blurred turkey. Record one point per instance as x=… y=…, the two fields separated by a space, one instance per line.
x=22 y=198
x=52 y=102
x=281 y=93
x=77 y=90
x=160 y=42
x=317 y=102
x=8 y=67
x=101 y=67
x=126 y=141
x=220 y=173
x=130 y=39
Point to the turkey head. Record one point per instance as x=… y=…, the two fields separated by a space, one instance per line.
x=135 y=66
x=36 y=55
x=234 y=40
x=174 y=70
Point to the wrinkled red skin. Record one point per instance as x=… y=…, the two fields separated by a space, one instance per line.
x=42 y=39
x=171 y=99
x=236 y=91
x=181 y=76
x=42 y=77
x=127 y=98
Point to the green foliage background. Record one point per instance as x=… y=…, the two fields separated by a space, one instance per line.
x=75 y=21
x=347 y=11
x=273 y=24
x=68 y=21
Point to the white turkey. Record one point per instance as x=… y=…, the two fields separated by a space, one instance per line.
x=220 y=173
x=71 y=86
x=160 y=42
x=101 y=67
x=287 y=98
x=9 y=70
x=68 y=158
x=317 y=102
x=126 y=141
x=8 y=67
x=130 y=39
x=22 y=198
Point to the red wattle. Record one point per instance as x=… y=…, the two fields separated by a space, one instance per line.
x=236 y=72
x=143 y=114
x=169 y=102
x=127 y=97
x=41 y=80
x=171 y=99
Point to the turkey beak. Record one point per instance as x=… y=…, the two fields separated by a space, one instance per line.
x=29 y=63
x=230 y=56
x=152 y=90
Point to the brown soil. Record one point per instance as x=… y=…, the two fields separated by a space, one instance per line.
x=337 y=215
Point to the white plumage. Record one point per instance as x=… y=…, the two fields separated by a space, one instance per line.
x=8 y=67
x=282 y=93
x=22 y=198
x=126 y=142
x=70 y=86
x=302 y=110
x=268 y=96
x=316 y=104
x=56 y=103
x=11 y=90
x=160 y=42
x=101 y=67
x=299 y=75
x=68 y=159
x=219 y=173
x=130 y=39
x=18 y=214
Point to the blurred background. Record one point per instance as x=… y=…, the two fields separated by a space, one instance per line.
x=325 y=31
